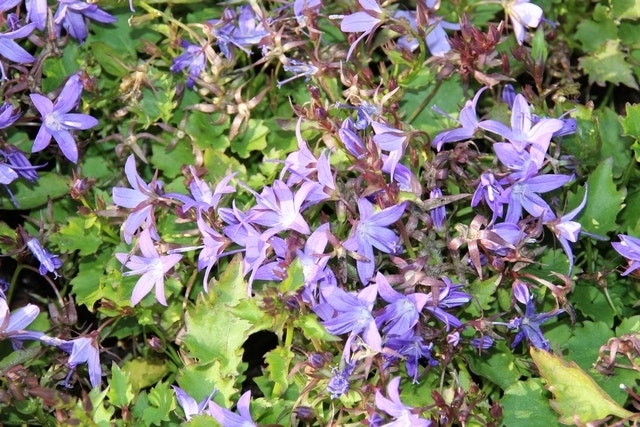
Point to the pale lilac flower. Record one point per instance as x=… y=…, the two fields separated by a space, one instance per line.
x=524 y=132
x=524 y=194
x=436 y=39
x=346 y=313
x=529 y=326
x=8 y=115
x=189 y=404
x=11 y=50
x=8 y=4
x=302 y=6
x=214 y=244
x=37 y=12
x=279 y=209
x=628 y=247
x=489 y=190
x=448 y=296
x=193 y=58
x=523 y=14
x=141 y=198
x=19 y=164
x=412 y=349
x=241 y=28
x=83 y=350
x=468 y=118
x=567 y=230
x=364 y=22
x=439 y=214
x=299 y=69
x=372 y=231
x=392 y=140
x=7 y=174
x=339 y=382
x=12 y=324
x=48 y=262
x=350 y=139
x=71 y=15
x=202 y=198
x=227 y=418
x=314 y=262
x=403 y=415
x=57 y=122
x=151 y=266
x=399 y=317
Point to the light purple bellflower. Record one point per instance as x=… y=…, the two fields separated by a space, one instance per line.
x=71 y=15
x=365 y=22
x=402 y=414
x=58 y=123
x=151 y=267
x=628 y=247
x=228 y=418
x=372 y=231
x=140 y=198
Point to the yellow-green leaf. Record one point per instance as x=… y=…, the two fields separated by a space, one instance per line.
x=576 y=396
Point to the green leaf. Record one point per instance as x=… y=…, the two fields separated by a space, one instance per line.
x=482 y=294
x=108 y=58
x=294 y=279
x=143 y=372
x=608 y=64
x=603 y=202
x=498 y=365
x=79 y=234
x=29 y=196
x=278 y=361
x=312 y=328
x=212 y=331
x=254 y=138
x=626 y=9
x=58 y=68
x=171 y=161
x=631 y=122
x=524 y=404
x=162 y=402
x=593 y=33
x=576 y=395
x=583 y=348
x=18 y=357
x=120 y=390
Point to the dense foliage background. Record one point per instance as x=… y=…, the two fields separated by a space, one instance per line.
x=319 y=213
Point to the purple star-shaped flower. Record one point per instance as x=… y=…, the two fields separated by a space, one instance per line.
x=228 y=418
x=83 y=350
x=403 y=311
x=141 y=198
x=523 y=14
x=11 y=50
x=150 y=266
x=12 y=324
x=48 y=262
x=403 y=415
x=372 y=231
x=364 y=22
x=468 y=118
x=71 y=15
x=529 y=323
x=193 y=58
x=346 y=313
x=279 y=209
x=58 y=123
x=628 y=247
x=567 y=230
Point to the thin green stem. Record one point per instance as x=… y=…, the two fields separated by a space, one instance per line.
x=424 y=103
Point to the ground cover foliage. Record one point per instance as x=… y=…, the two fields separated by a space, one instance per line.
x=319 y=213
